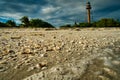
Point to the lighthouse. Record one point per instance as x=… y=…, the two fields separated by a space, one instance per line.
x=88 y=7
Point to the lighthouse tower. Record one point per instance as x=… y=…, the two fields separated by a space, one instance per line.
x=88 y=7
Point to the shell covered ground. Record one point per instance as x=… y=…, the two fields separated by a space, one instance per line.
x=50 y=54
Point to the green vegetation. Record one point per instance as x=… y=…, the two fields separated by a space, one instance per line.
x=66 y=26
x=11 y=23
x=34 y=23
x=3 y=24
x=38 y=23
x=27 y=23
x=106 y=22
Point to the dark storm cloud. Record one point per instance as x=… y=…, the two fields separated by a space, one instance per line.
x=58 y=12
x=20 y=5
x=106 y=9
x=25 y=2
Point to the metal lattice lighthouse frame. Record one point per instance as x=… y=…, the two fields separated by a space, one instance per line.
x=88 y=7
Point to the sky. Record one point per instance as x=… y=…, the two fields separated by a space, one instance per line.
x=58 y=12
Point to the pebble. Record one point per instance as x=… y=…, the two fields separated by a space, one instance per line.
x=72 y=41
x=79 y=53
x=43 y=68
x=27 y=51
x=43 y=64
x=77 y=29
x=16 y=37
x=108 y=51
x=31 y=68
x=45 y=49
x=110 y=71
x=1 y=57
x=116 y=62
x=2 y=69
x=68 y=50
x=43 y=55
x=37 y=66
x=56 y=69
x=58 y=48
x=103 y=77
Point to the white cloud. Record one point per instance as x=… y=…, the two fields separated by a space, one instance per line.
x=12 y=15
x=49 y=9
x=4 y=17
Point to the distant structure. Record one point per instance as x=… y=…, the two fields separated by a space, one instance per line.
x=88 y=7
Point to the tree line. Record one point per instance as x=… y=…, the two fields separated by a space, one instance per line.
x=105 y=22
x=26 y=23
